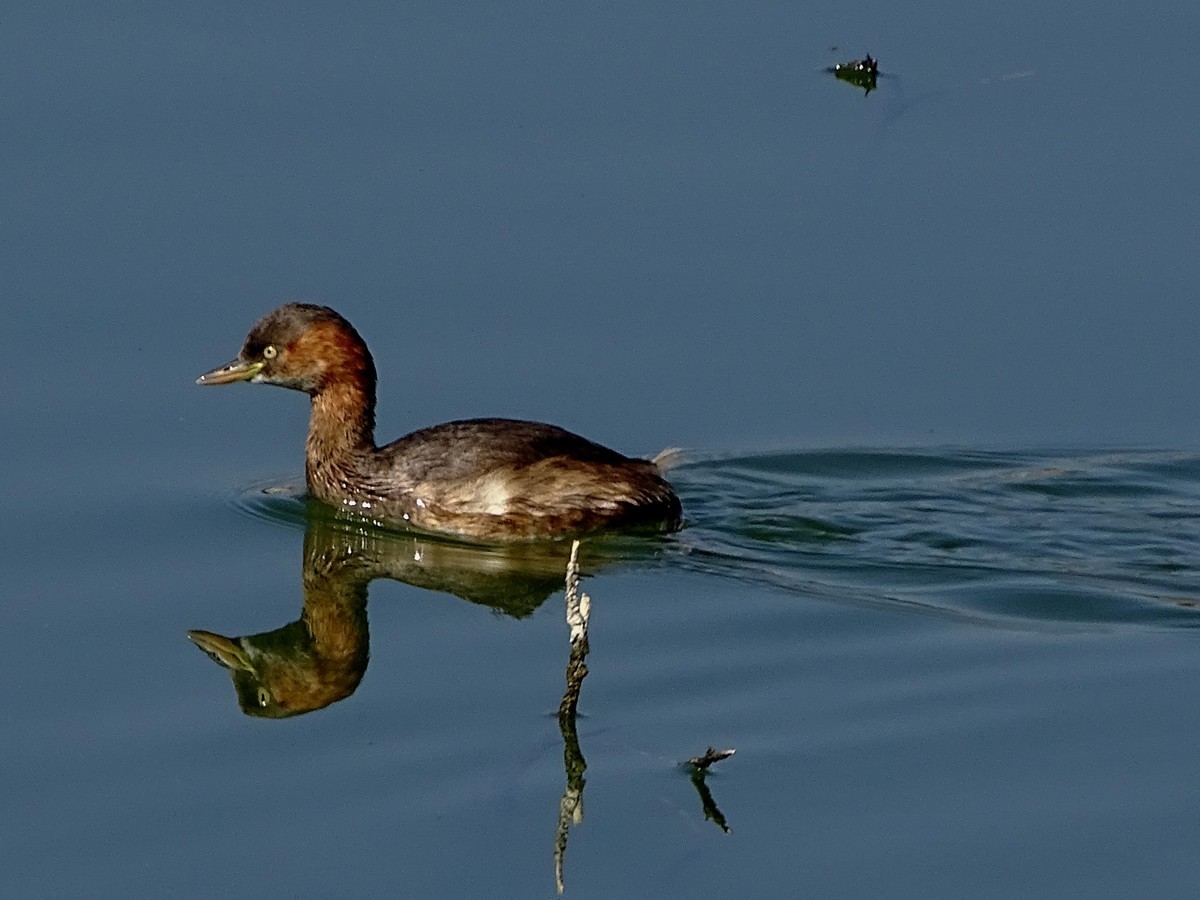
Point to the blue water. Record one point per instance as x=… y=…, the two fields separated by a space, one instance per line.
x=944 y=673
x=1097 y=538
x=930 y=354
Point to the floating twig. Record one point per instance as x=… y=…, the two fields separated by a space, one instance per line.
x=709 y=757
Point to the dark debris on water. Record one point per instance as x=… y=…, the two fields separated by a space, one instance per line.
x=863 y=73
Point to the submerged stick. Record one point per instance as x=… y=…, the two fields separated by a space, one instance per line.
x=579 y=610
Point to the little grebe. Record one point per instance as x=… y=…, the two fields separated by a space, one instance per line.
x=485 y=479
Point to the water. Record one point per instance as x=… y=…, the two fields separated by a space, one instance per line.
x=930 y=353
x=1091 y=539
x=944 y=672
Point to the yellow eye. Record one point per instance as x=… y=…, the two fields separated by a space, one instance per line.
x=264 y=698
x=269 y=352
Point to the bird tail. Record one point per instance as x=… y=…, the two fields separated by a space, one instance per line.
x=668 y=459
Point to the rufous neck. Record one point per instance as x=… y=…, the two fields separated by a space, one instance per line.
x=342 y=423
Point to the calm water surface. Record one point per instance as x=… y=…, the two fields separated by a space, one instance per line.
x=945 y=673
x=932 y=351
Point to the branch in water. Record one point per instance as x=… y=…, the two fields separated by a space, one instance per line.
x=579 y=610
x=710 y=756
x=570 y=808
x=700 y=766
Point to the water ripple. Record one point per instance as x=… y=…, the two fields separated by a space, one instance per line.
x=1095 y=538
x=281 y=501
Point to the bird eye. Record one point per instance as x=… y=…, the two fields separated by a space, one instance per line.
x=269 y=352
